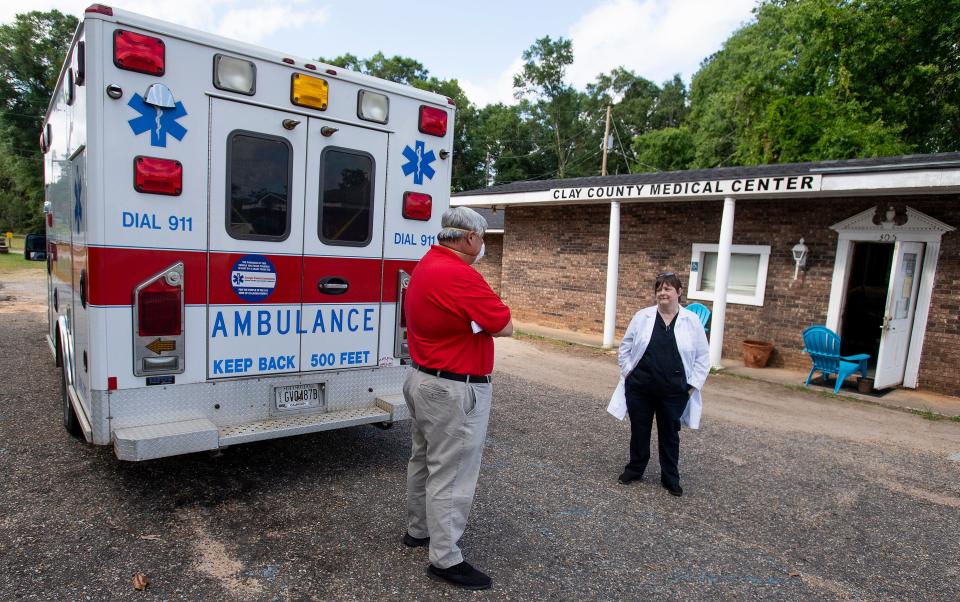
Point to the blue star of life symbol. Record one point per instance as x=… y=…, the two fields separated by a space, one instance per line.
x=238 y=278
x=158 y=121
x=77 y=204
x=418 y=163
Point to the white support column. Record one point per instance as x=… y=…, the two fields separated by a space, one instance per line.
x=613 y=271
x=722 y=280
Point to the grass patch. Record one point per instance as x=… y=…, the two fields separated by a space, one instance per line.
x=723 y=372
x=821 y=392
x=933 y=416
x=15 y=262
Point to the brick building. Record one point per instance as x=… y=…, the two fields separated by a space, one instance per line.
x=882 y=266
x=492 y=263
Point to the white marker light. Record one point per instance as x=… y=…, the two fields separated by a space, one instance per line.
x=372 y=106
x=235 y=75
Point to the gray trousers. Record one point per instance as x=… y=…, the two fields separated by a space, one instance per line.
x=449 y=426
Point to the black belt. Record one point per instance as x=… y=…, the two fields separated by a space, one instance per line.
x=464 y=378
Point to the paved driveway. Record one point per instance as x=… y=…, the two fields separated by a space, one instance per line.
x=788 y=495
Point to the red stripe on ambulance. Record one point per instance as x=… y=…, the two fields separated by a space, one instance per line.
x=116 y=272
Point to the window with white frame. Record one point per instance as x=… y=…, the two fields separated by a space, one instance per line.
x=748 y=273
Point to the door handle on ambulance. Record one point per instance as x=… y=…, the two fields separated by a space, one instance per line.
x=333 y=285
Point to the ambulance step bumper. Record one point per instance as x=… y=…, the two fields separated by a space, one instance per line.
x=300 y=425
x=189 y=436
x=160 y=440
x=396 y=405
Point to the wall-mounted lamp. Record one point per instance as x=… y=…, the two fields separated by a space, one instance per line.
x=800 y=253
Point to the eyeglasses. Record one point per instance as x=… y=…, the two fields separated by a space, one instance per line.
x=666 y=274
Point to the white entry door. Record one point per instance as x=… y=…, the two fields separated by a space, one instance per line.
x=898 y=316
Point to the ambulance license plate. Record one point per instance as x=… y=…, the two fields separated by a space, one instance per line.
x=299 y=397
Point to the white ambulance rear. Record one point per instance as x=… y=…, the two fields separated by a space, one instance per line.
x=230 y=231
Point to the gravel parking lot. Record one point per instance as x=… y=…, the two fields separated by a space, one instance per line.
x=788 y=495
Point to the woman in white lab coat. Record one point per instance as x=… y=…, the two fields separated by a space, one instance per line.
x=664 y=360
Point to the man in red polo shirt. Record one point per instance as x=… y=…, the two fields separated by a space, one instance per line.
x=452 y=315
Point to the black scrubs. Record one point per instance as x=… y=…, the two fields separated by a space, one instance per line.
x=657 y=386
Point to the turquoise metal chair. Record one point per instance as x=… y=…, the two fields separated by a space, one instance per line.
x=823 y=345
x=702 y=312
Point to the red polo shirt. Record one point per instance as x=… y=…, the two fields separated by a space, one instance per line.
x=444 y=295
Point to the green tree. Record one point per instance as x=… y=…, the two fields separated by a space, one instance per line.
x=831 y=79
x=511 y=145
x=547 y=99
x=666 y=149
x=633 y=99
x=640 y=108
x=32 y=49
x=400 y=69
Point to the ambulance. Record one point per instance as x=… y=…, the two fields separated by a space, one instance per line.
x=230 y=233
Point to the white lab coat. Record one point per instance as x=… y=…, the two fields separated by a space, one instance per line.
x=694 y=353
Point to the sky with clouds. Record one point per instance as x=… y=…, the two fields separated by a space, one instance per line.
x=477 y=43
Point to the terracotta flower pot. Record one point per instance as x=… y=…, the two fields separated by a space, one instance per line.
x=756 y=353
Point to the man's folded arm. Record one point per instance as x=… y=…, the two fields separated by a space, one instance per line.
x=507 y=330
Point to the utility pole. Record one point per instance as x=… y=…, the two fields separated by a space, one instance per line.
x=606 y=137
x=613 y=254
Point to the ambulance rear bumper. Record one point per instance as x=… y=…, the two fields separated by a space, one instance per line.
x=190 y=436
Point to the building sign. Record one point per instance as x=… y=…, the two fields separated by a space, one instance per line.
x=765 y=185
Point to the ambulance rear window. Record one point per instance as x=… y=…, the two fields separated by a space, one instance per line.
x=346 y=197
x=258 y=186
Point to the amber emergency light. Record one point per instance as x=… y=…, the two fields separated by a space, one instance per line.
x=307 y=91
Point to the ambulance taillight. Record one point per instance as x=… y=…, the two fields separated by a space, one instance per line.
x=417 y=205
x=158 y=315
x=137 y=52
x=433 y=121
x=158 y=310
x=153 y=175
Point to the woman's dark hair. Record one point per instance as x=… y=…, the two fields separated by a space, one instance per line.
x=667 y=278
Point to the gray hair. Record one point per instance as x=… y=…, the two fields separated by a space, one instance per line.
x=457 y=222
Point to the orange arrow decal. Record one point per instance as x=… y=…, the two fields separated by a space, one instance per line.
x=158 y=346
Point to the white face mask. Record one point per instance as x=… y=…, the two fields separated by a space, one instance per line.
x=483 y=249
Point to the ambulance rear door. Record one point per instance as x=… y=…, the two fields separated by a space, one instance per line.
x=255 y=262
x=343 y=245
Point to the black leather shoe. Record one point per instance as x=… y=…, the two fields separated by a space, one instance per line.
x=415 y=542
x=461 y=575
x=676 y=490
x=626 y=478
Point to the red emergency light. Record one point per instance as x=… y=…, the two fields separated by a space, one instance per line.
x=158 y=310
x=417 y=205
x=100 y=9
x=137 y=52
x=433 y=121
x=157 y=176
